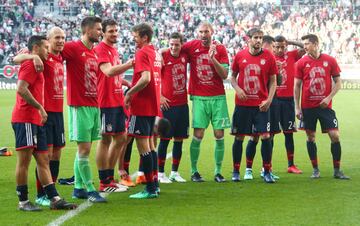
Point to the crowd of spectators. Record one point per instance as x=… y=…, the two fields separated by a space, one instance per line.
x=336 y=22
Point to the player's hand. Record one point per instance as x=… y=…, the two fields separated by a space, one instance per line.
x=131 y=62
x=212 y=50
x=264 y=105
x=325 y=102
x=39 y=65
x=43 y=115
x=164 y=103
x=298 y=113
x=241 y=95
x=127 y=100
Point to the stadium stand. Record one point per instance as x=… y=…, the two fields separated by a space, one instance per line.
x=336 y=22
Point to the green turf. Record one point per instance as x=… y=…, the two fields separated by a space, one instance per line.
x=294 y=200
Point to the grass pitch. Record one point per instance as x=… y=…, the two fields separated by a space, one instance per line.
x=294 y=200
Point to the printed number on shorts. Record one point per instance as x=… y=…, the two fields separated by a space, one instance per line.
x=291 y=124
x=268 y=126
x=335 y=123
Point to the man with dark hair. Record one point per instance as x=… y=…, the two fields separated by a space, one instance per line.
x=284 y=112
x=28 y=118
x=209 y=66
x=143 y=98
x=111 y=102
x=254 y=80
x=174 y=106
x=84 y=114
x=315 y=74
x=53 y=103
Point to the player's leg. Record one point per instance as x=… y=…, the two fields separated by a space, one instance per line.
x=141 y=128
x=250 y=155
x=200 y=122
x=43 y=170
x=220 y=121
x=287 y=122
x=310 y=117
x=329 y=124
x=124 y=163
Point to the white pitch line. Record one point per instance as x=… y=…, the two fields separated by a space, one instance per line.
x=72 y=213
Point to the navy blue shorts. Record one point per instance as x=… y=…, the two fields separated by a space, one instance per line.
x=274 y=116
x=250 y=121
x=282 y=115
x=54 y=126
x=112 y=120
x=179 y=120
x=326 y=116
x=141 y=126
x=28 y=135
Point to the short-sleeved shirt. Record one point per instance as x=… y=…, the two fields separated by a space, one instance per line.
x=316 y=76
x=254 y=72
x=146 y=102
x=110 y=93
x=287 y=72
x=54 y=83
x=24 y=112
x=81 y=70
x=204 y=80
x=174 y=78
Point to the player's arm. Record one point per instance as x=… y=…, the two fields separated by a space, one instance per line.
x=39 y=65
x=126 y=83
x=301 y=51
x=110 y=71
x=221 y=69
x=297 y=90
x=141 y=84
x=325 y=102
x=23 y=91
x=239 y=92
x=264 y=106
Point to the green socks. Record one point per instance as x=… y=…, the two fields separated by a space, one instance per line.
x=194 y=154
x=78 y=183
x=85 y=173
x=219 y=154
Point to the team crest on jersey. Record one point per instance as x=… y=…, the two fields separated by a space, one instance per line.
x=286 y=56
x=109 y=127
x=182 y=59
x=262 y=61
x=325 y=63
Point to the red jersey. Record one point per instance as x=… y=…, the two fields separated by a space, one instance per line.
x=54 y=83
x=204 y=80
x=316 y=76
x=287 y=71
x=174 y=78
x=81 y=70
x=24 y=112
x=146 y=102
x=110 y=93
x=254 y=74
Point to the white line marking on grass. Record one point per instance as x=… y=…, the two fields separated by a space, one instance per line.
x=72 y=213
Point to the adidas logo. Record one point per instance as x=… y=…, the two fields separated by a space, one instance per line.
x=244 y=61
x=110 y=189
x=137 y=131
x=197 y=50
x=307 y=65
x=169 y=63
x=51 y=59
x=83 y=54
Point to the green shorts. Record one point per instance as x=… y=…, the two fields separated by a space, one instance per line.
x=84 y=124
x=206 y=109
